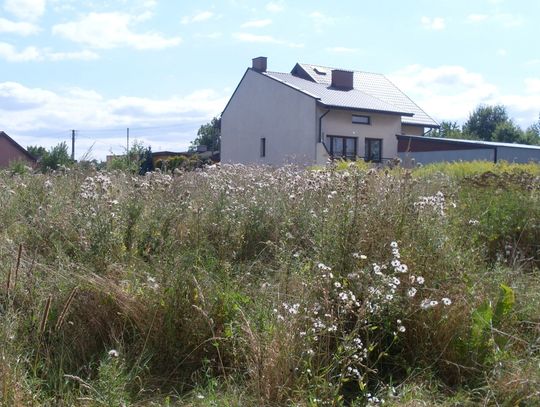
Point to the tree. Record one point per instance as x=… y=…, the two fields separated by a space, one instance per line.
x=54 y=158
x=209 y=135
x=37 y=151
x=147 y=162
x=484 y=120
x=508 y=132
x=448 y=129
x=532 y=134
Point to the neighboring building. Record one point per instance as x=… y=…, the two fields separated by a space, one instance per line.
x=11 y=151
x=426 y=150
x=314 y=113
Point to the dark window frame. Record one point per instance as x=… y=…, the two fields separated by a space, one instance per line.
x=263 y=147
x=366 y=123
x=343 y=153
x=367 y=154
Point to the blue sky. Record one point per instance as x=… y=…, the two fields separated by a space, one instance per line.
x=163 y=68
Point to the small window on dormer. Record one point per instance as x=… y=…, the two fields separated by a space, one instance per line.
x=319 y=71
x=359 y=119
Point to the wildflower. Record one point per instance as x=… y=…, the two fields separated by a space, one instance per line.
x=403 y=268
x=113 y=353
x=337 y=285
x=447 y=301
x=411 y=292
x=323 y=267
x=401 y=328
x=396 y=263
x=394 y=245
x=420 y=280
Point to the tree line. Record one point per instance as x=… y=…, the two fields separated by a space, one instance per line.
x=490 y=123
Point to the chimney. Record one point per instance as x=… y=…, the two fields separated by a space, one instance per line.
x=259 y=64
x=342 y=79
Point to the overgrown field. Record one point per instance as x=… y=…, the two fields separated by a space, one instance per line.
x=246 y=286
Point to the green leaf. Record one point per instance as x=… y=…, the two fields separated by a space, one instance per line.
x=482 y=318
x=504 y=305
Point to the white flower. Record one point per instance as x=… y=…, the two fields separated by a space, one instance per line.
x=446 y=301
x=337 y=285
x=401 y=328
x=420 y=280
x=322 y=266
x=113 y=353
x=394 y=245
x=403 y=268
x=411 y=292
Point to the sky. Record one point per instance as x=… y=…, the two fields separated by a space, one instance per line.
x=164 y=68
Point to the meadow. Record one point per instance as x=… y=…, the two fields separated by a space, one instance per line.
x=251 y=286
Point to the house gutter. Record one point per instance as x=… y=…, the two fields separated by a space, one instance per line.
x=320 y=126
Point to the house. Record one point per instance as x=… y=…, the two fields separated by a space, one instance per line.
x=314 y=113
x=11 y=151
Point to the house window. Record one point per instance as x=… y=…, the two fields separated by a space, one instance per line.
x=373 y=150
x=343 y=147
x=263 y=147
x=359 y=119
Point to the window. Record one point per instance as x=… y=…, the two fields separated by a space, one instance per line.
x=263 y=147
x=373 y=150
x=358 y=119
x=343 y=147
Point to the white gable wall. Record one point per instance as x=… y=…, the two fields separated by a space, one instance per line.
x=262 y=107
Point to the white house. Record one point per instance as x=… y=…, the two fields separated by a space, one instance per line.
x=313 y=113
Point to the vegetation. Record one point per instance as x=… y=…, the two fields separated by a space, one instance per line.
x=246 y=286
x=52 y=159
x=209 y=135
x=490 y=123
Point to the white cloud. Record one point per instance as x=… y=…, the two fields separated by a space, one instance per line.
x=263 y=39
x=476 y=18
x=20 y=28
x=275 y=6
x=41 y=111
x=321 y=19
x=11 y=54
x=451 y=92
x=33 y=54
x=503 y=19
x=112 y=30
x=25 y=9
x=210 y=36
x=198 y=17
x=257 y=23
x=532 y=85
x=342 y=50
x=502 y=52
x=435 y=23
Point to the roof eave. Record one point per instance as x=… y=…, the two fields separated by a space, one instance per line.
x=357 y=109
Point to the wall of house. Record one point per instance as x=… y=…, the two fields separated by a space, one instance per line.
x=9 y=153
x=265 y=108
x=383 y=126
x=412 y=130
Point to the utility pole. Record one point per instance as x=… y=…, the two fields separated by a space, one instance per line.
x=72 y=145
x=127 y=145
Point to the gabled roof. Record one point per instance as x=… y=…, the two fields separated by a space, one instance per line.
x=472 y=143
x=18 y=146
x=375 y=85
x=336 y=98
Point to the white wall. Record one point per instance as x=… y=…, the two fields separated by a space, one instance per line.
x=383 y=126
x=265 y=108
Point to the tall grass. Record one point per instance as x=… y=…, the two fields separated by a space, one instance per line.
x=254 y=286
